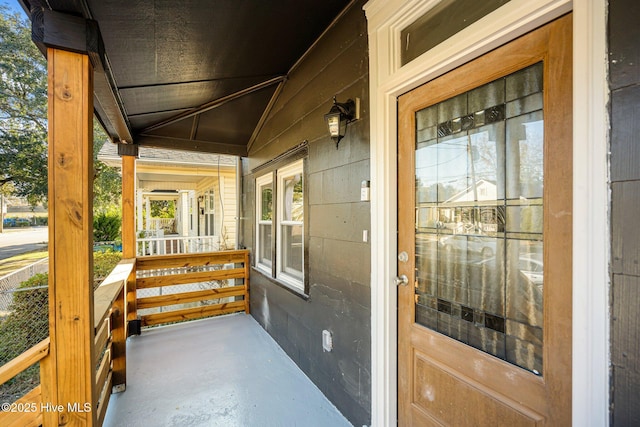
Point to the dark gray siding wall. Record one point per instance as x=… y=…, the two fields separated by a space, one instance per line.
x=338 y=259
x=624 y=63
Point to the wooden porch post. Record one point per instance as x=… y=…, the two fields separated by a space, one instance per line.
x=128 y=207
x=69 y=385
x=129 y=226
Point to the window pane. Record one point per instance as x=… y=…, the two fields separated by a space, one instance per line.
x=524 y=156
x=441 y=22
x=266 y=211
x=212 y=200
x=292 y=253
x=264 y=214
x=293 y=199
x=264 y=251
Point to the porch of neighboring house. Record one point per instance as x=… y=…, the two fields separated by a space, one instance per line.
x=196 y=193
x=224 y=371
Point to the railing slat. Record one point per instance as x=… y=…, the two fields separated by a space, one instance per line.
x=103 y=400
x=103 y=372
x=118 y=324
x=190 y=260
x=25 y=418
x=186 y=297
x=181 y=279
x=22 y=362
x=192 y=313
x=102 y=336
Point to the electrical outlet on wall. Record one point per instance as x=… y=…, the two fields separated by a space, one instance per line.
x=327 y=341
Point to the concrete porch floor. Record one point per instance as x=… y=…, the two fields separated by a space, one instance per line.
x=223 y=371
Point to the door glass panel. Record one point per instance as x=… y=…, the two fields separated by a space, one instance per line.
x=479 y=217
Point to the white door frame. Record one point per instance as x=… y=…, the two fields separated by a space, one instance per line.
x=388 y=80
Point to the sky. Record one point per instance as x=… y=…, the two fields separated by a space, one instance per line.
x=13 y=5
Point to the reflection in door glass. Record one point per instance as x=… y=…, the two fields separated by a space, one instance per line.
x=479 y=213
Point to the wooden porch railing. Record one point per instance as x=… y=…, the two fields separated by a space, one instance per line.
x=26 y=411
x=110 y=314
x=224 y=269
x=110 y=351
x=110 y=322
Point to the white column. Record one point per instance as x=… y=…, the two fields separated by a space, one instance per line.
x=183 y=229
x=148 y=215
x=139 y=209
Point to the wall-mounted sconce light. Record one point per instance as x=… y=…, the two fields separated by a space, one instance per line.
x=339 y=116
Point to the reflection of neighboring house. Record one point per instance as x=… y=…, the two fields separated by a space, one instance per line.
x=454 y=212
x=203 y=188
x=481 y=190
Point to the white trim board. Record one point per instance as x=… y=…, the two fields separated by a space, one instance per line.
x=388 y=80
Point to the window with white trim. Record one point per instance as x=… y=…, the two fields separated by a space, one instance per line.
x=264 y=215
x=280 y=225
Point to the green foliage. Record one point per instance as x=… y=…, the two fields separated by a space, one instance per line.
x=163 y=209
x=104 y=263
x=23 y=109
x=23 y=121
x=107 y=182
x=267 y=204
x=106 y=227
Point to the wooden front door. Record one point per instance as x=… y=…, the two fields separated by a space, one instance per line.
x=484 y=211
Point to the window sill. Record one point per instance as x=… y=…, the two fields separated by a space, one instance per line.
x=284 y=285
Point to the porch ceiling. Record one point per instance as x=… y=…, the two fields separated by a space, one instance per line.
x=195 y=75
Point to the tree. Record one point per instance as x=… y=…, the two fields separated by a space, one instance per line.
x=107 y=182
x=23 y=121
x=163 y=209
x=106 y=227
x=23 y=109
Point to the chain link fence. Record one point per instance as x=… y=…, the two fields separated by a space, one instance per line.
x=24 y=316
x=23 y=324
x=10 y=282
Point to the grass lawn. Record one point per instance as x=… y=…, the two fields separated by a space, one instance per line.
x=12 y=264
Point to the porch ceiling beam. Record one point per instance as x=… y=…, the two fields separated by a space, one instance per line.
x=191 y=145
x=79 y=35
x=216 y=103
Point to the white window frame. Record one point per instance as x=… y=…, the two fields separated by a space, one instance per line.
x=276 y=270
x=290 y=278
x=261 y=182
